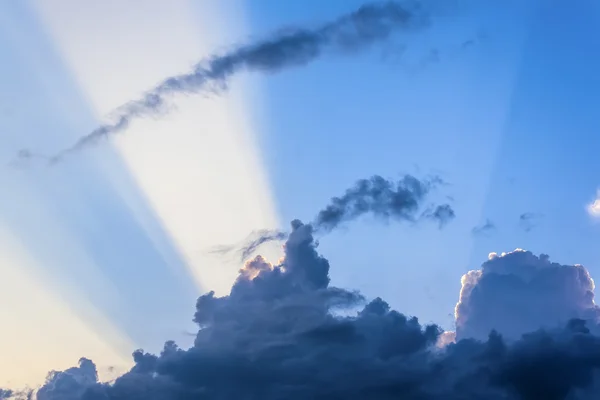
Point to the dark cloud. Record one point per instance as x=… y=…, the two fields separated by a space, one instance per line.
x=386 y=199
x=443 y=214
x=484 y=229
x=529 y=220
x=69 y=384
x=251 y=243
x=518 y=292
x=399 y=200
x=350 y=33
x=262 y=237
x=280 y=334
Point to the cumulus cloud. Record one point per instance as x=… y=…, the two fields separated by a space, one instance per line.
x=278 y=335
x=286 y=48
x=401 y=200
x=519 y=292
x=69 y=384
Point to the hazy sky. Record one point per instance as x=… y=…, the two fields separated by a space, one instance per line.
x=107 y=252
x=124 y=229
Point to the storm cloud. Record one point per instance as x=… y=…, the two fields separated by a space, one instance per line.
x=401 y=200
x=286 y=48
x=279 y=335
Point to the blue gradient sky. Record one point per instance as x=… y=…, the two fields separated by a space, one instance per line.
x=118 y=234
x=510 y=123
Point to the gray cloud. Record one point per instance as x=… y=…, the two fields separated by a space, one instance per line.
x=69 y=384
x=443 y=214
x=350 y=33
x=400 y=200
x=251 y=243
x=279 y=335
x=518 y=292
x=383 y=198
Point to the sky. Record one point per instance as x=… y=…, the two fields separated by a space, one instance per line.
x=109 y=229
x=107 y=251
x=510 y=124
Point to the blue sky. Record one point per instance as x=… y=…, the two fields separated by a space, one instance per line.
x=510 y=123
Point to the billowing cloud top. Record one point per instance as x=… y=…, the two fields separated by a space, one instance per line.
x=518 y=292
x=279 y=335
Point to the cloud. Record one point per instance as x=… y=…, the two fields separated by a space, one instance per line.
x=443 y=214
x=6 y=394
x=529 y=220
x=484 y=229
x=69 y=384
x=383 y=198
x=519 y=292
x=279 y=335
x=286 y=48
x=251 y=243
x=594 y=207
x=400 y=200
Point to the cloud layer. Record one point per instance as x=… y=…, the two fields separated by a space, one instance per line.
x=280 y=334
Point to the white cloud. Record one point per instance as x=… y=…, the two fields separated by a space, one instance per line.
x=594 y=207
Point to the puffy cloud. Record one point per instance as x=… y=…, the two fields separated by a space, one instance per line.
x=518 y=292
x=69 y=384
x=278 y=335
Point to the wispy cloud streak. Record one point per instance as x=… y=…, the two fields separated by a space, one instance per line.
x=400 y=200
x=284 y=49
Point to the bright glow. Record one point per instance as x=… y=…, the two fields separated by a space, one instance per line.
x=44 y=269
x=199 y=169
x=199 y=166
x=39 y=331
x=446 y=338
